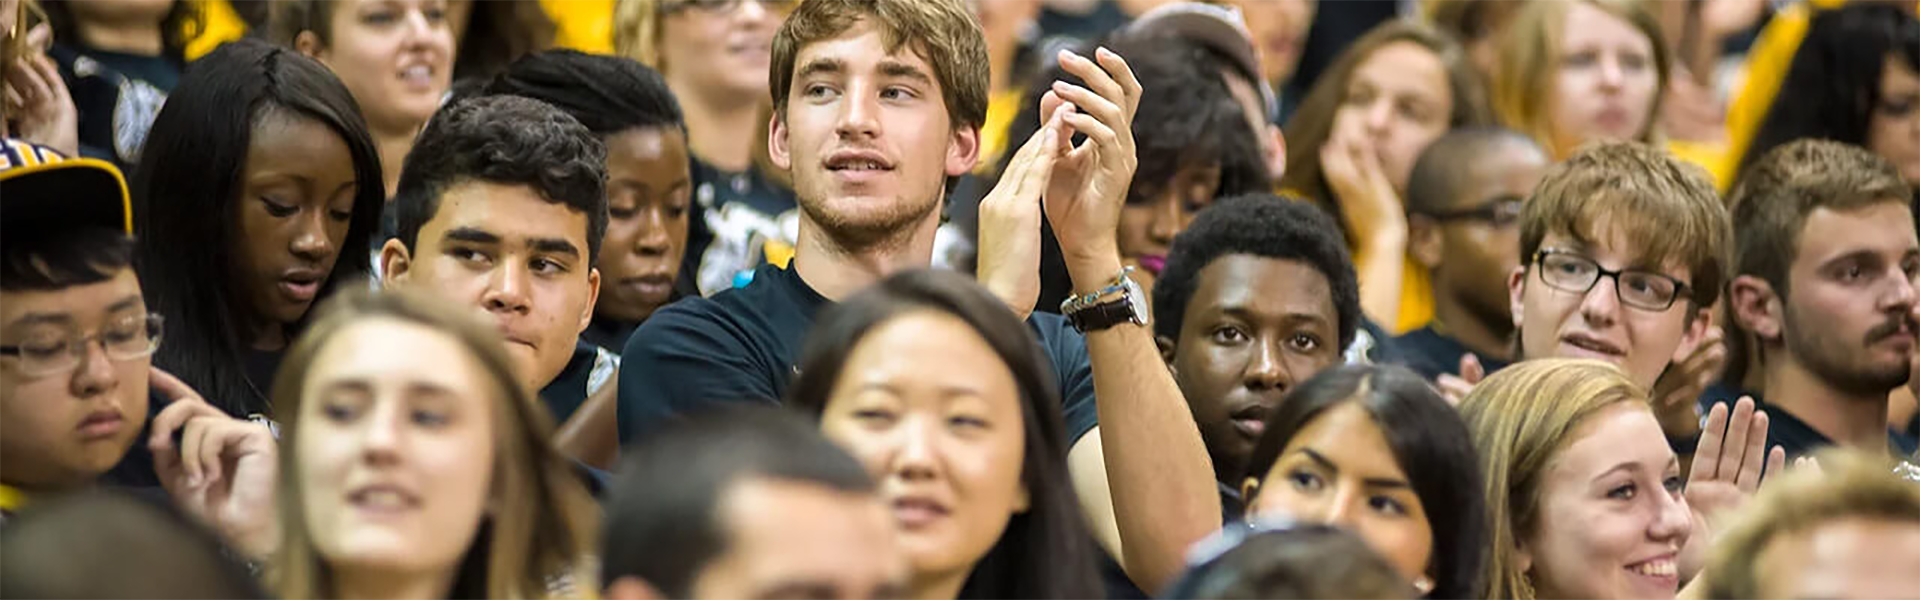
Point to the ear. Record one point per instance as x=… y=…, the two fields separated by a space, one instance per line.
x=1522 y=557
x=1423 y=241
x=1276 y=152
x=1517 y=294
x=309 y=44
x=963 y=151
x=1165 y=344
x=395 y=263
x=1696 y=331
x=1249 y=489
x=1755 y=307
x=593 y=298
x=777 y=142
x=632 y=588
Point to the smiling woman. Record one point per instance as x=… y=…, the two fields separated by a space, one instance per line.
x=236 y=262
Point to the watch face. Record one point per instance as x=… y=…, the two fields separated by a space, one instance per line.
x=1136 y=301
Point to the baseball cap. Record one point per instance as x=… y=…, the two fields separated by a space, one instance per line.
x=42 y=189
x=1217 y=28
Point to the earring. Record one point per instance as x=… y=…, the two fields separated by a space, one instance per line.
x=1424 y=585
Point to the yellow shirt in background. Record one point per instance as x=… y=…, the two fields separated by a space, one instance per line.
x=1001 y=109
x=219 y=25
x=584 y=25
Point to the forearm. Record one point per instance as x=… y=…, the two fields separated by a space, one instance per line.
x=1157 y=467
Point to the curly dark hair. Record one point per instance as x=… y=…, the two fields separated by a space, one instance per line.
x=1833 y=85
x=505 y=140
x=1261 y=225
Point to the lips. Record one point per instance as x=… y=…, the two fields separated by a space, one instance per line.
x=652 y=287
x=1153 y=263
x=301 y=284
x=418 y=76
x=917 y=512
x=1584 y=345
x=1660 y=571
x=103 y=423
x=1251 y=421
x=857 y=166
x=383 y=500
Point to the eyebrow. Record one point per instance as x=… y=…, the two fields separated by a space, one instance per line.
x=46 y=318
x=822 y=66
x=1629 y=467
x=894 y=68
x=472 y=235
x=554 y=246
x=1240 y=311
x=1374 y=482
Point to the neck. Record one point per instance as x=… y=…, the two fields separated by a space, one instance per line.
x=395 y=585
x=393 y=145
x=721 y=127
x=1857 y=421
x=1452 y=316
x=837 y=270
x=133 y=37
x=271 y=337
x=938 y=587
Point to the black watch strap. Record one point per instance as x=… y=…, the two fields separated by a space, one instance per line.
x=1101 y=316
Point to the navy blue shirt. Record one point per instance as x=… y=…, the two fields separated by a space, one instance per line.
x=743 y=345
x=1430 y=353
x=1791 y=433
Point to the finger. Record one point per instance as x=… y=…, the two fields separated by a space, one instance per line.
x=1116 y=66
x=170 y=387
x=40 y=38
x=1754 y=456
x=190 y=443
x=50 y=72
x=1101 y=108
x=13 y=98
x=1776 y=460
x=1098 y=134
x=1706 y=456
x=34 y=82
x=1093 y=76
x=1734 y=446
x=214 y=439
x=171 y=419
x=1470 y=369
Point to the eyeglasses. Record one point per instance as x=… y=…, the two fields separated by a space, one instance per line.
x=1565 y=271
x=724 y=6
x=127 y=339
x=1500 y=211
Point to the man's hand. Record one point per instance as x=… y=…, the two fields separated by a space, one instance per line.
x=1728 y=465
x=1009 y=259
x=223 y=470
x=38 y=99
x=1089 y=182
x=1678 y=390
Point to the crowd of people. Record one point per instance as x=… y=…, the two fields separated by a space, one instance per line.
x=960 y=299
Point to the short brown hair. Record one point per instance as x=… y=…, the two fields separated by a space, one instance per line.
x=1848 y=485
x=1665 y=208
x=1773 y=198
x=941 y=31
x=1520 y=418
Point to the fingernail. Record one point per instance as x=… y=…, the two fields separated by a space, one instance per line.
x=1103 y=50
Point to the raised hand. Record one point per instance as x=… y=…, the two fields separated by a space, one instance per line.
x=38 y=100
x=223 y=470
x=1009 y=260
x=1367 y=200
x=1728 y=466
x=1679 y=388
x=1089 y=182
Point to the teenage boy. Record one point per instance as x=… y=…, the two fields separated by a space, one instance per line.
x=1824 y=280
x=877 y=105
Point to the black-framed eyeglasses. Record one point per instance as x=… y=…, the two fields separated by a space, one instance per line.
x=723 y=6
x=1567 y=271
x=127 y=339
x=1499 y=211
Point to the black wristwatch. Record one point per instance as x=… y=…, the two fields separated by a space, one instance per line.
x=1088 y=313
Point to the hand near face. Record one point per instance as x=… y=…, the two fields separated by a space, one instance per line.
x=1728 y=465
x=224 y=470
x=1089 y=182
x=1679 y=388
x=1367 y=200
x=1455 y=388
x=1010 y=220
x=38 y=99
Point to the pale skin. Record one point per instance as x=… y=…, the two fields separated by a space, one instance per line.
x=1154 y=495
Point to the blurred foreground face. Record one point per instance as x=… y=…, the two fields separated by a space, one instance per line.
x=1848 y=558
x=788 y=539
x=935 y=416
x=394 y=453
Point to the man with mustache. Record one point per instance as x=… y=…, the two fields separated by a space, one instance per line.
x=1824 y=280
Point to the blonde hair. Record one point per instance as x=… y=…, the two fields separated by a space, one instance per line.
x=1523 y=85
x=1520 y=418
x=636 y=31
x=1847 y=485
x=544 y=527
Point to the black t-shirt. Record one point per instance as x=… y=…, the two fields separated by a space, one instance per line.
x=117 y=96
x=733 y=219
x=1791 y=433
x=586 y=372
x=608 y=333
x=743 y=345
x=1430 y=353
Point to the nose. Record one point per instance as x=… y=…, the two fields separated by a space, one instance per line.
x=1900 y=296
x=1379 y=114
x=1337 y=509
x=917 y=455
x=507 y=289
x=310 y=241
x=382 y=431
x=858 y=118
x=1673 y=523
x=1266 y=369
x=653 y=239
x=753 y=12
x=1601 y=306
x=1168 y=218
x=95 y=374
x=1611 y=74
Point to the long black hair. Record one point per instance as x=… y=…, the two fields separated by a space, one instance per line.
x=1833 y=85
x=1430 y=443
x=1045 y=552
x=184 y=191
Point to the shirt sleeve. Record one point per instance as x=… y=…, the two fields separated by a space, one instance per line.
x=1074 y=369
x=684 y=357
